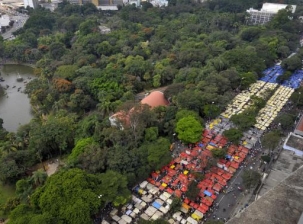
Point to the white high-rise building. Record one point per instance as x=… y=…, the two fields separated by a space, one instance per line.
x=31 y=3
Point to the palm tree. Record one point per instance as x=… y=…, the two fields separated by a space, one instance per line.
x=39 y=177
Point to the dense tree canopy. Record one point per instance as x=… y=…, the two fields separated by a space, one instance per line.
x=202 y=54
x=189 y=129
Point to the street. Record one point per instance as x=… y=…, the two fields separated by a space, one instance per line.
x=234 y=199
x=20 y=20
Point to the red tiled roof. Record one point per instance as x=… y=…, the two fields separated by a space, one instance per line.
x=155 y=99
x=300 y=125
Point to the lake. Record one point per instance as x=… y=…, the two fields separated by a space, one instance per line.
x=15 y=108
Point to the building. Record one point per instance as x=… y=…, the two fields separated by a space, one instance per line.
x=299 y=127
x=31 y=3
x=266 y=13
x=294 y=141
x=280 y=205
x=154 y=99
x=4 y=21
x=104 y=29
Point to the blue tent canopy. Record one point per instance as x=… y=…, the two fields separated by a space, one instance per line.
x=207 y=193
x=156 y=205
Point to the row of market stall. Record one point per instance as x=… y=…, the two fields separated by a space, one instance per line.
x=273 y=107
x=244 y=99
x=271 y=74
x=152 y=198
x=295 y=80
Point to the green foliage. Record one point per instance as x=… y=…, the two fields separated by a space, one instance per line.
x=66 y=71
x=286 y=121
x=244 y=120
x=293 y=63
x=233 y=135
x=251 y=178
x=151 y=134
x=175 y=205
x=79 y=148
x=266 y=158
x=218 y=153
x=189 y=129
x=193 y=191
x=158 y=153
x=297 y=97
x=68 y=192
x=185 y=113
x=271 y=140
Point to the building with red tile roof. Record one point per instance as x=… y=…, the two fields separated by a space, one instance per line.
x=154 y=99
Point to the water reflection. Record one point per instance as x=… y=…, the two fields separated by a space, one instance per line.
x=15 y=108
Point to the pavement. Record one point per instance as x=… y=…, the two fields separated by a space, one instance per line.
x=229 y=203
x=20 y=20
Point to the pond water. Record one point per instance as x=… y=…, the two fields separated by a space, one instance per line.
x=15 y=108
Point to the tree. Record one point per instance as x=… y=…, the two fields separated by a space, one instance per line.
x=271 y=140
x=39 y=177
x=151 y=134
x=68 y=192
x=286 y=121
x=189 y=129
x=158 y=153
x=193 y=191
x=244 y=120
x=24 y=189
x=175 y=205
x=251 y=178
x=218 y=153
x=113 y=188
x=293 y=63
x=79 y=148
x=233 y=135
x=93 y=159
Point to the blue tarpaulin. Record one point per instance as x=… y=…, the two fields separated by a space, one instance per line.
x=156 y=205
x=207 y=193
x=271 y=74
x=212 y=144
x=295 y=80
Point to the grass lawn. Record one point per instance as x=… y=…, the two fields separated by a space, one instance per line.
x=6 y=191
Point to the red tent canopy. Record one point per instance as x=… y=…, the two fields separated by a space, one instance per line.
x=158 y=184
x=217 y=187
x=213 y=196
x=154 y=175
x=186 y=201
x=200 y=209
x=169 y=190
x=161 y=187
x=171 y=172
x=166 y=179
x=234 y=165
x=204 y=207
x=178 y=193
x=151 y=181
x=226 y=176
x=184 y=188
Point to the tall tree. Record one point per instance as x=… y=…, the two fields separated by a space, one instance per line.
x=189 y=129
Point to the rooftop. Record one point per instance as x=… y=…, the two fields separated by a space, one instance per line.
x=155 y=99
x=299 y=126
x=280 y=205
x=272 y=7
x=295 y=141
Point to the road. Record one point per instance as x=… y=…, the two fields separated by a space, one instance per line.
x=20 y=20
x=234 y=199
